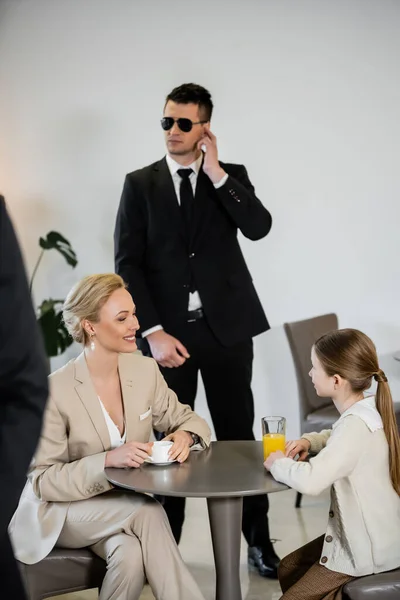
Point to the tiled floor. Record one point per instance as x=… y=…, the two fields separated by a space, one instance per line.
x=291 y=527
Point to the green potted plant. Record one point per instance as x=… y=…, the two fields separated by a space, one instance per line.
x=55 y=335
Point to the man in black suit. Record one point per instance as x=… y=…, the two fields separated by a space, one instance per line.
x=176 y=247
x=23 y=392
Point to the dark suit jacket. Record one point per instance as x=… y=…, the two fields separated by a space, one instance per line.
x=23 y=373
x=155 y=254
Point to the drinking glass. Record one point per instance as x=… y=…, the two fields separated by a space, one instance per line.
x=274 y=434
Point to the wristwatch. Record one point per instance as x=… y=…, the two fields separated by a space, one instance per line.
x=195 y=438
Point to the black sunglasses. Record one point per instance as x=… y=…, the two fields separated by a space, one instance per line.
x=184 y=125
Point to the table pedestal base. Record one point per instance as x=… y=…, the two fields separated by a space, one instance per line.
x=226 y=526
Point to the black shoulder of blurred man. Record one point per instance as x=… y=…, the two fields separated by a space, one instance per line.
x=23 y=373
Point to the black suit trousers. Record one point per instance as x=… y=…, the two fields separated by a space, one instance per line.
x=9 y=573
x=226 y=374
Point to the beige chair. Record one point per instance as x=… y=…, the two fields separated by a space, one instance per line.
x=63 y=571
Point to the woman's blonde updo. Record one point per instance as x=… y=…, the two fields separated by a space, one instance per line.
x=85 y=301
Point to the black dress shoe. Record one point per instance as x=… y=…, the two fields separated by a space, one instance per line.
x=264 y=560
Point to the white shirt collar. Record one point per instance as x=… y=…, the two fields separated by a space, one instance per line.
x=367 y=411
x=173 y=166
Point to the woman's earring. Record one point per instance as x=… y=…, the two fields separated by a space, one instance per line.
x=92 y=345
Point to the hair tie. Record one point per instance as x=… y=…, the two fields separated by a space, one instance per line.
x=380 y=376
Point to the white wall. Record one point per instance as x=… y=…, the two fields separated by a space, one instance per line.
x=307 y=95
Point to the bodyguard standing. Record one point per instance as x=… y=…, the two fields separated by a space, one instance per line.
x=176 y=247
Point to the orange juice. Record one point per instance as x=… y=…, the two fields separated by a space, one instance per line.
x=273 y=442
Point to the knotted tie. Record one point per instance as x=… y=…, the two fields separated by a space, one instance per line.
x=186 y=196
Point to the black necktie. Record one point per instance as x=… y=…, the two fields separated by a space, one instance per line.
x=187 y=202
x=186 y=197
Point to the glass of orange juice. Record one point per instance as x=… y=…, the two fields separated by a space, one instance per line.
x=274 y=434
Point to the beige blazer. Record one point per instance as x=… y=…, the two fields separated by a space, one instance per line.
x=69 y=461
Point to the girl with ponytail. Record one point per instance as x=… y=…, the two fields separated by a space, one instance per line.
x=359 y=460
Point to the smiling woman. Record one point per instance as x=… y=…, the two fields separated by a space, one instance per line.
x=99 y=312
x=101 y=412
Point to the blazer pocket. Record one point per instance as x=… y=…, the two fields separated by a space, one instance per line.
x=146 y=414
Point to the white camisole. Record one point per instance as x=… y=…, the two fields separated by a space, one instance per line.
x=115 y=436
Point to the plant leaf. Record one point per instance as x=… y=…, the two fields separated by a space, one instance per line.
x=55 y=335
x=55 y=241
x=48 y=305
x=44 y=244
x=54 y=237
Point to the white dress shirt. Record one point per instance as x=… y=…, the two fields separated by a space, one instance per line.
x=173 y=166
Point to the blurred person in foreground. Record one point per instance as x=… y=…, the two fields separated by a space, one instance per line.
x=23 y=392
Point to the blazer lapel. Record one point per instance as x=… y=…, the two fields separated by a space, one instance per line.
x=129 y=391
x=85 y=389
x=202 y=205
x=166 y=202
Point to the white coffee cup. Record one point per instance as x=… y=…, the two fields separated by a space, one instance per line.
x=160 y=452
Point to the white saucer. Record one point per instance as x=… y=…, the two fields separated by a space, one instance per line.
x=159 y=464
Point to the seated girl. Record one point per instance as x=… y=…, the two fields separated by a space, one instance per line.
x=359 y=460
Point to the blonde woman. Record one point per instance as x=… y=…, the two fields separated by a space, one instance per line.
x=359 y=459
x=101 y=412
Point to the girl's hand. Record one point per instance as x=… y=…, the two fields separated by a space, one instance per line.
x=272 y=458
x=300 y=447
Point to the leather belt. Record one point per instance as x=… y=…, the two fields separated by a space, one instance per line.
x=195 y=315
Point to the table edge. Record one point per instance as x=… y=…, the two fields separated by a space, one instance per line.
x=283 y=487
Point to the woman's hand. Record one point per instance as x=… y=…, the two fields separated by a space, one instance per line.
x=132 y=454
x=272 y=458
x=181 y=448
x=300 y=447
